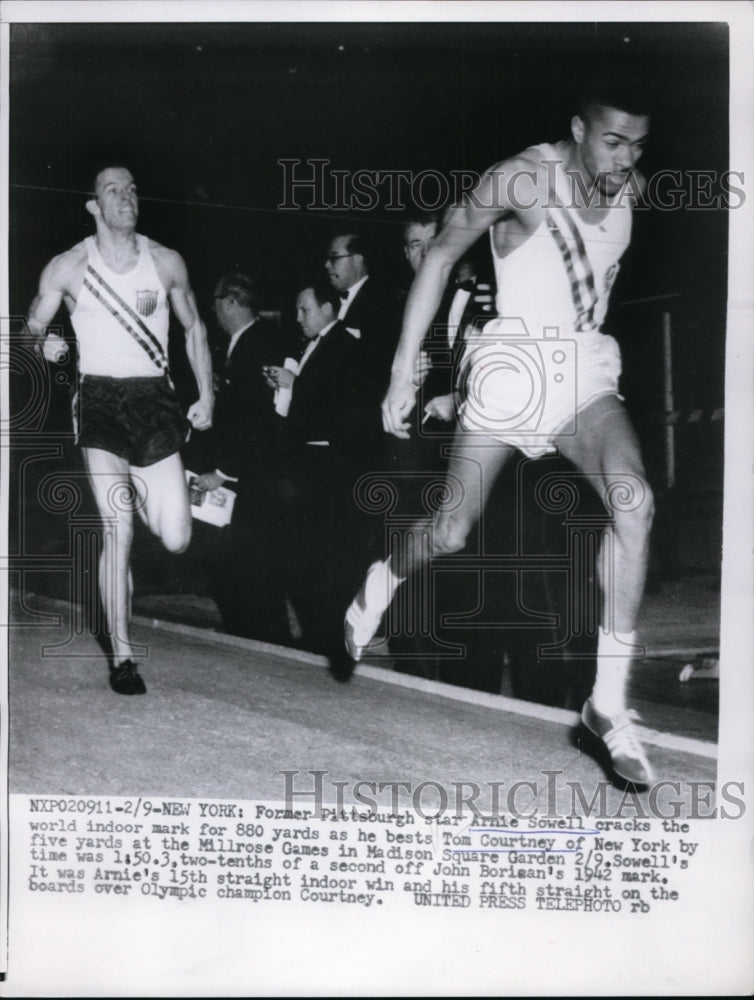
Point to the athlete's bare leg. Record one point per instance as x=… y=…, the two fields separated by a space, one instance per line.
x=164 y=503
x=158 y=493
x=474 y=466
x=604 y=448
x=113 y=494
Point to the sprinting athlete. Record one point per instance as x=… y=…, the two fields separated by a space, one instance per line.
x=118 y=286
x=541 y=375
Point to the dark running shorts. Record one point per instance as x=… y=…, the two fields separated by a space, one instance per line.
x=138 y=419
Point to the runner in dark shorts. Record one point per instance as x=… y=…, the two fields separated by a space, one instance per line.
x=138 y=419
x=119 y=287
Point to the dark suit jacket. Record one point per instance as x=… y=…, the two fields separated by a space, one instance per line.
x=376 y=312
x=246 y=429
x=329 y=396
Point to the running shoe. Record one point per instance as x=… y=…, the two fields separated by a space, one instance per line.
x=618 y=733
x=125 y=679
x=361 y=624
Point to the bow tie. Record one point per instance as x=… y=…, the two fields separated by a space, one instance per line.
x=308 y=342
x=466 y=286
x=343 y=295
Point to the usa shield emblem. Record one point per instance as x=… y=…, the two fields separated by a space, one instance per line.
x=146 y=302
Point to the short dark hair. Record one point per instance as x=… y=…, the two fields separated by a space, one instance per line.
x=240 y=287
x=101 y=168
x=323 y=292
x=624 y=91
x=356 y=243
x=418 y=218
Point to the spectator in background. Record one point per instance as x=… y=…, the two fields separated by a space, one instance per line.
x=369 y=309
x=243 y=453
x=324 y=451
x=467 y=303
x=418 y=232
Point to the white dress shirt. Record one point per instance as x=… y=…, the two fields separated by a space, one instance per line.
x=350 y=295
x=305 y=357
x=313 y=343
x=236 y=337
x=455 y=313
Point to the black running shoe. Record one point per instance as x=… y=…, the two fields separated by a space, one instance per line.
x=125 y=679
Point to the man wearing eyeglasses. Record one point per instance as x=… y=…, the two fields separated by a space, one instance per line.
x=369 y=309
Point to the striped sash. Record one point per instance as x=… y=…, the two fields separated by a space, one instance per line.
x=128 y=319
x=577 y=265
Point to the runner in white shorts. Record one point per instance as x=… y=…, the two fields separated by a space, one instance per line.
x=528 y=372
x=541 y=376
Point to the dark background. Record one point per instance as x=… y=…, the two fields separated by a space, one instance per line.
x=202 y=113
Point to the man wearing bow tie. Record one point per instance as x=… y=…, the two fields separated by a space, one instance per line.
x=323 y=440
x=369 y=309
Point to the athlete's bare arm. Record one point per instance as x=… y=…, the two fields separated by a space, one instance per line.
x=174 y=276
x=59 y=281
x=486 y=204
x=197 y=349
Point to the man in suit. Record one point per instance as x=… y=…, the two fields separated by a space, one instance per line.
x=243 y=453
x=370 y=310
x=324 y=446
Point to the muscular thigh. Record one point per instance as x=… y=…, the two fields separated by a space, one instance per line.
x=161 y=488
x=110 y=481
x=604 y=447
x=474 y=465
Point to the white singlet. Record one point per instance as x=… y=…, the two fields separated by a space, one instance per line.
x=121 y=320
x=530 y=371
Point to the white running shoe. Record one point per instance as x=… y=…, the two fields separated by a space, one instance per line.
x=619 y=735
x=361 y=624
